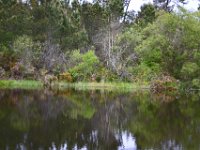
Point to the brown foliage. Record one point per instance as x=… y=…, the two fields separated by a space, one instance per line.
x=66 y=76
x=15 y=71
x=2 y=72
x=164 y=83
x=48 y=79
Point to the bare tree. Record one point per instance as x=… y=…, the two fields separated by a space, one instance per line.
x=52 y=57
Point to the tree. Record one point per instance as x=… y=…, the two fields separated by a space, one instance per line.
x=14 y=21
x=167 y=5
x=60 y=22
x=123 y=54
x=146 y=15
x=102 y=27
x=171 y=42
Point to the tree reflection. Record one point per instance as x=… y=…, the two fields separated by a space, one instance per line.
x=97 y=120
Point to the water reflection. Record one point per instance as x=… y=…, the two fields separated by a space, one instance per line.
x=128 y=142
x=93 y=120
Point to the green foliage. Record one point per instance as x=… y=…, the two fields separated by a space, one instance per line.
x=116 y=7
x=124 y=52
x=95 y=18
x=130 y=38
x=84 y=64
x=196 y=56
x=106 y=75
x=14 y=20
x=22 y=44
x=27 y=54
x=145 y=73
x=170 y=41
x=146 y=15
x=196 y=83
x=189 y=69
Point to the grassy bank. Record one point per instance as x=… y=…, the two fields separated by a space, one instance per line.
x=104 y=86
x=20 y=84
x=31 y=84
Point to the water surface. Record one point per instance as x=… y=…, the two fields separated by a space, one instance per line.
x=98 y=120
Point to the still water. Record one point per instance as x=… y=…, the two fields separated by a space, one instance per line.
x=98 y=120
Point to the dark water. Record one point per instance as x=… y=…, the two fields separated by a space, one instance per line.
x=97 y=120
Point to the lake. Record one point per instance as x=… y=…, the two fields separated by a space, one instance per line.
x=98 y=120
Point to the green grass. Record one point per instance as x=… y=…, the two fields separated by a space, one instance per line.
x=109 y=86
x=20 y=84
x=104 y=86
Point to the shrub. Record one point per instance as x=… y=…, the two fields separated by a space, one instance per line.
x=85 y=66
x=196 y=83
x=66 y=76
x=189 y=70
x=2 y=72
x=16 y=70
x=164 y=83
x=144 y=73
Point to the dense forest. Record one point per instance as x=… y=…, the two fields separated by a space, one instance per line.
x=99 y=41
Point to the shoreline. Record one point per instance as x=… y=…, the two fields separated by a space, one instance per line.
x=21 y=84
x=82 y=86
x=36 y=84
x=124 y=86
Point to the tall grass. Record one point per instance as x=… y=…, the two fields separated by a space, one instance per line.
x=109 y=86
x=20 y=84
x=104 y=86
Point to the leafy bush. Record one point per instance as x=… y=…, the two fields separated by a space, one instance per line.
x=84 y=65
x=164 y=83
x=170 y=42
x=66 y=76
x=196 y=83
x=145 y=73
x=25 y=55
x=189 y=70
x=6 y=57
